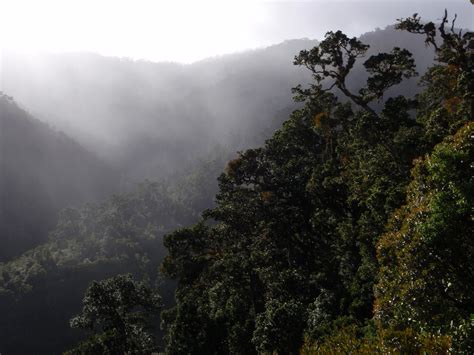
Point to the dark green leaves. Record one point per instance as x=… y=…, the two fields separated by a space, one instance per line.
x=387 y=69
x=118 y=310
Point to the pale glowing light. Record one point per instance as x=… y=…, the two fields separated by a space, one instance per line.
x=182 y=31
x=190 y=30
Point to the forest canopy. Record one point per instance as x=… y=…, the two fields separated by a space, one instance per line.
x=297 y=255
x=349 y=230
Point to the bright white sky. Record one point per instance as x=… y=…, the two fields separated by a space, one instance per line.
x=186 y=31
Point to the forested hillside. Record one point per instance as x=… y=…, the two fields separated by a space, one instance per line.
x=343 y=224
x=123 y=234
x=297 y=255
x=42 y=171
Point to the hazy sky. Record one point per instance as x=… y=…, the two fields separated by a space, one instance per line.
x=186 y=31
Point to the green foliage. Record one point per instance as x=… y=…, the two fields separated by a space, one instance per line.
x=334 y=59
x=351 y=339
x=118 y=312
x=120 y=235
x=425 y=279
x=288 y=258
x=279 y=315
x=448 y=96
x=426 y=276
x=289 y=250
x=387 y=70
x=125 y=229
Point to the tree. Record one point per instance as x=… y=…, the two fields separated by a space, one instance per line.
x=425 y=279
x=448 y=98
x=426 y=276
x=334 y=59
x=289 y=251
x=286 y=249
x=119 y=312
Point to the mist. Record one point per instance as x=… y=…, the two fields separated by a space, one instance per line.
x=159 y=149
x=187 y=31
x=152 y=119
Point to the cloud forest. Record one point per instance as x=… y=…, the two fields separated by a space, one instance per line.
x=308 y=197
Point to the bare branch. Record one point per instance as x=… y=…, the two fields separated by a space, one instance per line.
x=452 y=23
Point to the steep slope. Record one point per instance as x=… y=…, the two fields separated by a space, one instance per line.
x=288 y=254
x=41 y=171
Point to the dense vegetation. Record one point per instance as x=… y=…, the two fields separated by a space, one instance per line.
x=120 y=235
x=298 y=240
x=119 y=309
x=348 y=231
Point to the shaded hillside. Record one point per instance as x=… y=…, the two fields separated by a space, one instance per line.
x=151 y=119
x=121 y=234
x=41 y=171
